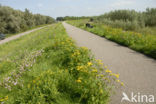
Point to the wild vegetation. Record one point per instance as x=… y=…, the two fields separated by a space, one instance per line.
x=13 y=21
x=145 y=43
x=32 y=73
x=130 y=20
x=71 y=18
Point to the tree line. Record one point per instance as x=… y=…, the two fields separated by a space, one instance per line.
x=129 y=19
x=125 y=19
x=71 y=18
x=147 y=18
x=13 y=21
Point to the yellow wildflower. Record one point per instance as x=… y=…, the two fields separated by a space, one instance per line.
x=6 y=98
x=101 y=91
x=108 y=71
x=89 y=64
x=34 y=81
x=97 y=75
x=79 y=81
x=62 y=42
x=79 y=67
x=122 y=84
x=116 y=75
x=28 y=85
x=118 y=81
x=1 y=100
x=99 y=62
x=95 y=71
x=105 y=67
x=84 y=48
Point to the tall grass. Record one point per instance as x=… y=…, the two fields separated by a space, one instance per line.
x=144 y=43
x=47 y=67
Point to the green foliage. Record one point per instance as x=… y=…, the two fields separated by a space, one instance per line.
x=13 y=21
x=144 y=43
x=125 y=19
x=125 y=15
x=150 y=17
x=70 y=18
x=51 y=69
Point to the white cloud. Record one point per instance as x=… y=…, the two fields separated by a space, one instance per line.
x=122 y=3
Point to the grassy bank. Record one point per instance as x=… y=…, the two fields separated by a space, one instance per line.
x=47 y=67
x=144 y=43
x=9 y=35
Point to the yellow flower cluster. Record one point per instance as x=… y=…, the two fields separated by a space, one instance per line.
x=108 y=71
x=79 y=80
x=122 y=84
x=99 y=62
x=113 y=74
x=4 y=99
x=89 y=63
x=94 y=70
x=37 y=81
x=84 y=48
x=76 y=53
x=116 y=75
x=101 y=91
x=28 y=85
x=80 y=67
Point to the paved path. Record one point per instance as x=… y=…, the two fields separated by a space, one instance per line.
x=19 y=35
x=137 y=71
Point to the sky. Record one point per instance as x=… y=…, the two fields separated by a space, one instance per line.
x=56 y=8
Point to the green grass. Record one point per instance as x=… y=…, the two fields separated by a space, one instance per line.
x=144 y=43
x=46 y=67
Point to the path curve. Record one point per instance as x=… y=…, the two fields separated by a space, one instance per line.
x=19 y=35
x=137 y=71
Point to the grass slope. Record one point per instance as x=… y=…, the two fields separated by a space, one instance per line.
x=9 y=35
x=46 y=67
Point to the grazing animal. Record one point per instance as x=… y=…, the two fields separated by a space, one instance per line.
x=89 y=25
x=2 y=36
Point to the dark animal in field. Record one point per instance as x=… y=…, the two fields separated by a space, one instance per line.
x=89 y=25
x=2 y=36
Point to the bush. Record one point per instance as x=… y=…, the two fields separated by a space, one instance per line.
x=13 y=21
x=129 y=19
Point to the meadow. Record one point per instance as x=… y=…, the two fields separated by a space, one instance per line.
x=46 y=67
x=144 y=43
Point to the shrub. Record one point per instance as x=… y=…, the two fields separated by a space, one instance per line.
x=13 y=21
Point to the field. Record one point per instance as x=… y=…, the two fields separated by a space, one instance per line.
x=144 y=43
x=47 y=67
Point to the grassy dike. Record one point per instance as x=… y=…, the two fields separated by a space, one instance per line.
x=9 y=35
x=46 y=67
x=144 y=43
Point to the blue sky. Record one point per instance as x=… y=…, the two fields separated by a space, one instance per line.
x=57 y=8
